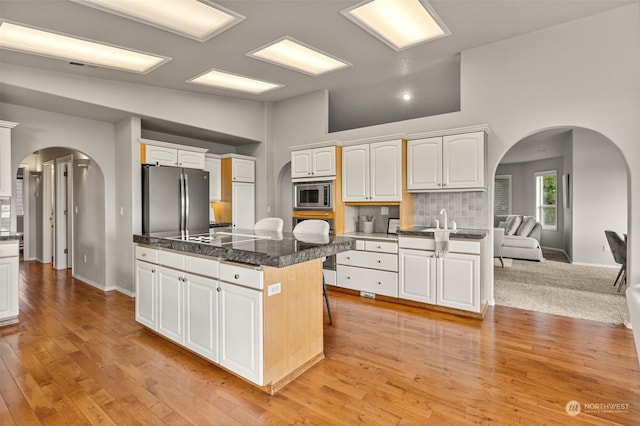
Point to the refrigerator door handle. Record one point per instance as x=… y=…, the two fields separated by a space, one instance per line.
x=182 y=203
x=186 y=204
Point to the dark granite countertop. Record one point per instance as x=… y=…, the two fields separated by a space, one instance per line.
x=459 y=234
x=277 y=249
x=7 y=236
x=219 y=224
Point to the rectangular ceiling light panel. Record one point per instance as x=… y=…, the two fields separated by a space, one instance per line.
x=44 y=43
x=226 y=80
x=399 y=23
x=290 y=53
x=199 y=20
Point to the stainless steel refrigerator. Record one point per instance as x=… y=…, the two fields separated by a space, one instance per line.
x=174 y=199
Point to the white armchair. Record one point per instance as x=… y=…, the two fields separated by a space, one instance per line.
x=498 y=237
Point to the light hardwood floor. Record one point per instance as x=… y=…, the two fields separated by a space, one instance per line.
x=78 y=357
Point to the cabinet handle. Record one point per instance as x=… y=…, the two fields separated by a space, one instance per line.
x=348 y=278
x=348 y=258
x=144 y=254
x=236 y=276
x=444 y=184
x=153 y=271
x=218 y=289
x=379 y=283
x=379 y=247
x=379 y=261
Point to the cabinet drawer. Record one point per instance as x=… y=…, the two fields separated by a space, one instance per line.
x=370 y=280
x=147 y=254
x=364 y=259
x=9 y=249
x=171 y=259
x=427 y=243
x=202 y=266
x=242 y=275
x=381 y=246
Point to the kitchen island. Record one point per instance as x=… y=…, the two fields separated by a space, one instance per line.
x=9 y=278
x=249 y=301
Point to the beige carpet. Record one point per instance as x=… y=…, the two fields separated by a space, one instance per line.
x=558 y=287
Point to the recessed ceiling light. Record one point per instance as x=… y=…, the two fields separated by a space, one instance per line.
x=45 y=43
x=406 y=96
x=199 y=20
x=226 y=80
x=399 y=23
x=293 y=54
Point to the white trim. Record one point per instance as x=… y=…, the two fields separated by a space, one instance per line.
x=171 y=145
x=92 y=283
x=538 y=205
x=124 y=291
x=232 y=155
x=8 y=124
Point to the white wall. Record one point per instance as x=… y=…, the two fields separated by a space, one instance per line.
x=599 y=197
x=41 y=129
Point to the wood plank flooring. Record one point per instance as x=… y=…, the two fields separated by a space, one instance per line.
x=78 y=357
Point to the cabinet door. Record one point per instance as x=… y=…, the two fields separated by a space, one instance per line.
x=243 y=170
x=458 y=281
x=160 y=156
x=170 y=304
x=369 y=280
x=386 y=171
x=212 y=165
x=241 y=331
x=324 y=161
x=243 y=205
x=301 y=163
x=6 y=181
x=191 y=159
x=424 y=164
x=463 y=160
x=355 y=173
x=146 y=294
x=417 y=275
x=8 y=287
x=201 y=316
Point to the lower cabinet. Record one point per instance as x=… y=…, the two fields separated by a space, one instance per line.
x=241 y=331
x=201 y=316
x=372 y=268
x=452 y=281
x=146 y=294
x=8 y=282
x=170 y=303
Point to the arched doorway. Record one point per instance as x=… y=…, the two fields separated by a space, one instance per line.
x=591 y=196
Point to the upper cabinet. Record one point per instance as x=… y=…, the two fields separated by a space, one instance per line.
x=6 y=181
x=166 y=154
x=447 y=162
x=312 y=163
x=243 y=170
x=212 y=164
x=372 y=172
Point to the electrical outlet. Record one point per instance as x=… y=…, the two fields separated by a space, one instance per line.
x=384 y=211
x=274 y=289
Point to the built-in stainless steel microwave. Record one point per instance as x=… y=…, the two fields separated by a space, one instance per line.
x=313 y=196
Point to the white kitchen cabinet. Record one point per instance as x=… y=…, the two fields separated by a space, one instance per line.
x=201 y=316
x=241 y=331
x=212 y=164
x=243 y=170
x=458 y=281
x=6 y=180
x=449 y=162
x=372 y=172
x=9 y=282
x=417 y=275
x=372 y=268
x=244 y=205
x=312 y=163
x=146 y=294
x=170 y=303
x=452 y=281
x=166 y=154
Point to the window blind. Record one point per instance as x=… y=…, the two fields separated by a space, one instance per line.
x=502 y=195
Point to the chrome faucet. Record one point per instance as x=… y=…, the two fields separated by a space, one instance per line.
x=443 y=212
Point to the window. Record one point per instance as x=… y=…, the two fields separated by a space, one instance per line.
x=502 y=195
x=546 y=199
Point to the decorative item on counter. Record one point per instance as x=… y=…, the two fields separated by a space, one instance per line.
x=367 y=223
x=394 y=224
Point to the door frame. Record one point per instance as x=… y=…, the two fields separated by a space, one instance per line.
x=63 y=228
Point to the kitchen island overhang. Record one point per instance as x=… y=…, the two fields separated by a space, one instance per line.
x=264 y=290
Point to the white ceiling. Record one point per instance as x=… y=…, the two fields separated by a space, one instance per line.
x=376 y=67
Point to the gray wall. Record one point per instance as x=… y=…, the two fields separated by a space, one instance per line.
x=523 y=189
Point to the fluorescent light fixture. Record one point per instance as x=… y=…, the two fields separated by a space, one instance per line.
x=226 y=80
x=398 y=23
x=199 y=20
x=44 y=43
x=293 y=54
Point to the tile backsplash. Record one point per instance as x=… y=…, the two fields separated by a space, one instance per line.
x=469 y=209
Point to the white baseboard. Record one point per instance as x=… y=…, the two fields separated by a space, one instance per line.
x=92 y=283
x=125 y=291
x=599 y=265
